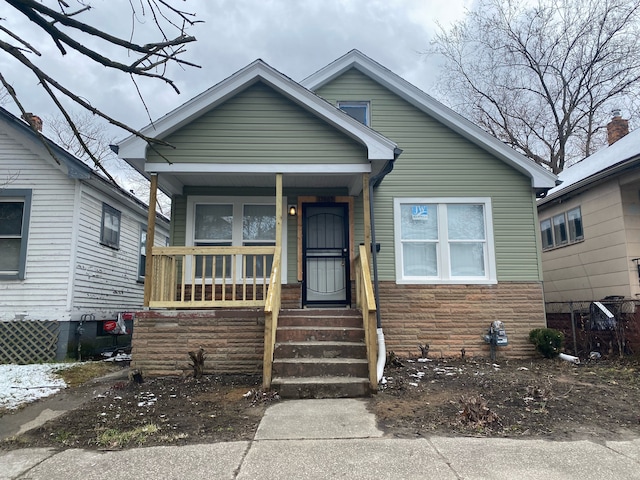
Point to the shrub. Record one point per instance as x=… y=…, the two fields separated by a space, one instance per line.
x=547 y=341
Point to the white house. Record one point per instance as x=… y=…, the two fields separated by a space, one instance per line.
x=72 y=243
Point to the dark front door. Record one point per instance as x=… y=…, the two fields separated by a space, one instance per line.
x=325 y=250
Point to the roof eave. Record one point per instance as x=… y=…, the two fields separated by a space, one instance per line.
x=133 y=149
x=613 y=170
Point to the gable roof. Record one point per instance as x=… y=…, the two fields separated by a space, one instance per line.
x=541 y=178
x=608 y=161
x=73 y=167
x=133 y=149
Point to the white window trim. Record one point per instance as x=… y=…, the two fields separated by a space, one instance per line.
x=357 y=103
x=238 y=204
x=490 y=277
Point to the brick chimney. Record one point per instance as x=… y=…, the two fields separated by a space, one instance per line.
x=617 y=127
x=33 y=120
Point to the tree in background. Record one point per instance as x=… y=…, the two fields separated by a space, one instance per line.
x=543 y=76
x=60 y=25
x=94 y=135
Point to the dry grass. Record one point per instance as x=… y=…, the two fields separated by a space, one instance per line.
x=83 y=372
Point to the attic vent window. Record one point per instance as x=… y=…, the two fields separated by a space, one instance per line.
x=357 y=110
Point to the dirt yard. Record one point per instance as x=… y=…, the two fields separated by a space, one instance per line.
x=548 y=399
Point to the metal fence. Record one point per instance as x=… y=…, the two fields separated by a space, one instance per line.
x=609 y=326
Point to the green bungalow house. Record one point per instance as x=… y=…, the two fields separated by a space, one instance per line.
x=279 y=191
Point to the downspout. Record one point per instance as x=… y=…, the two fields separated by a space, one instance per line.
x=374 y=182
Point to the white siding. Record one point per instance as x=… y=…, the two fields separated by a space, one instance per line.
x=68 y=273
x=42 y=295
x=106 y=279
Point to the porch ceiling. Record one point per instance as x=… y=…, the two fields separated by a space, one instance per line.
x=174 y=183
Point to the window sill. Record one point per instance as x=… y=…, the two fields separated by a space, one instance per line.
x=556 y=247
x=112 y=247
x=467 y=281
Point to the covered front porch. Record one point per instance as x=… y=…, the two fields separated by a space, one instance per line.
x=203 y=285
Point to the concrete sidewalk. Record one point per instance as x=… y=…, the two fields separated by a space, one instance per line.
x=327 y=439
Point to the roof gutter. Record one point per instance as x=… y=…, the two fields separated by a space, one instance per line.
x=374 y=181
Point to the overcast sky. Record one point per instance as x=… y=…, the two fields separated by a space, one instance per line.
x=296 y=37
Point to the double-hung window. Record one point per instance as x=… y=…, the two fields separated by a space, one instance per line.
x=258 y=229
x=110 y=227
x=232 y=221
x=213 y=228
x=562 y=229
x=15 y=209
x=444 y=240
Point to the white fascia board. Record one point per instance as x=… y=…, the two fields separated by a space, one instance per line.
x=540 y=177
x=378 y=146
x=340 y=168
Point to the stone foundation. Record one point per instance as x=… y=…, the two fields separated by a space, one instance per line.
x=452 y=317
x=232 y=339
x=447 y=317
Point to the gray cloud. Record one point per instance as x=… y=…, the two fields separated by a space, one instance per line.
x=295 y=37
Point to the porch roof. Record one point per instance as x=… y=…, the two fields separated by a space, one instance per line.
x=173 y=176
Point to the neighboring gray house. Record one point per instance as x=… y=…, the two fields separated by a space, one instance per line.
x=72 y=243
x=590 y=224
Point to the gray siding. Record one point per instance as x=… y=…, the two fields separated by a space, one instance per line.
x=436 y=162
x=260 y=126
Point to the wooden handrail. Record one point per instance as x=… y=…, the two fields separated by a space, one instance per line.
x=365 y=300
x=271 y=311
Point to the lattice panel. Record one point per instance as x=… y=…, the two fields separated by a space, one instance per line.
x=28 y=341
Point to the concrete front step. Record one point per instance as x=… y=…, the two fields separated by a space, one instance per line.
x=319 y=367
x=320 y=353
x=316 y=333
x=321 y=387
x=320 y=349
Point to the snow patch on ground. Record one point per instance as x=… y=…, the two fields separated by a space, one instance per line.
x=21 y=384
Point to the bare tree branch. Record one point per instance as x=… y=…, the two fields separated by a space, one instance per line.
x=544 y=76
x=62 y=25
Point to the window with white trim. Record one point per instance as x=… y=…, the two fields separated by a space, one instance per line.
x=444 y=240
x=562 y=229
x=231 y=221
x=15 y=209
x=357 y=110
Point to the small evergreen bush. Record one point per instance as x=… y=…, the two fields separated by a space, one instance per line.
x=547 y=341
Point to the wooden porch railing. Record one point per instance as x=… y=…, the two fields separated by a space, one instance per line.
x=203 y=277
x=365 y=301
x=271 y=311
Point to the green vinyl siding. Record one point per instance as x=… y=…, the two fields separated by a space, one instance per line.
x=437 y=162
x=259 y=125
x=178 y=220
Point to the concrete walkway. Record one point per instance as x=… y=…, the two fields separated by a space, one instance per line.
x=328 y=439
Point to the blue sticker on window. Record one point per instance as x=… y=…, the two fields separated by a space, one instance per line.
x=419 y=212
